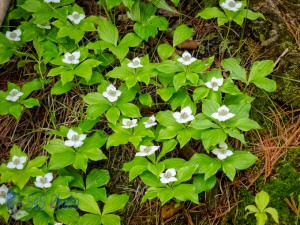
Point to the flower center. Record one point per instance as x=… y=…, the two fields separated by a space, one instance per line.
x=112 y=93
x=16 y=161
x=168 y=175
x=13 y=35
x=223 y=112
x=76 y=16
x=135 y=62
x=146 y=150
x=13 y=93
x=186 y=58
x=129 y=123
x=232 y=4
x=214 y=84
x=184 y=116
x=75 y=137
x=2 y=194
x=44 y=180
x=71 y=58
x=223 y=150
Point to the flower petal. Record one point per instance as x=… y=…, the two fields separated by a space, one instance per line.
x=71 y=133
x=69 y=143
x=49 y=177
x=172 y=171
x=22 y=159
x=11 y=165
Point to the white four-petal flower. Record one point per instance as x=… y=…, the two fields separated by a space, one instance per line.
x=17 y=162
x=186 y=58
x=231 y=5
x=111 y=93
x=184 y=116
x=146 y=150
x=71 y=58
x=14 y=95
x=128 y=123
x=223 y=114
x=75 y=139
x=3 y=194
x=214 y=83
x=222 y=152
x=168 y=176
x=44 y=181
x=14 y=35
x=76 y=17
x=52 y=1
x=150 y=122
x=135 y=63
x=44 y=26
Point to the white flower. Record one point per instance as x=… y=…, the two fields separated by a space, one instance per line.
x=56 y=223
x=128 y=123
x=147 y=150
x=13 y=35
x=223 y=114
x=17 y=162
x=44 y=26
x=14 y=95
x=222 y=152
x=186 y=58
x=214 y=83
x=3 y=194
x=44 y=181
x=71 y=58
x=135 y=63
x=76 y=17
x=75 y=139
x=184 y=116
x=232 y=5
x=168 y=176
x=150 y=122
x=53 y=1
x=111 y=93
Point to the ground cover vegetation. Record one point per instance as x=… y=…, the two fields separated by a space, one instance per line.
x=143 y=112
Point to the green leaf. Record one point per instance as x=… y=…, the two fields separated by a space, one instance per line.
x=129 y=110
x=146 y=99
x=184 y=136
x=16 y=110
x=266 y=84
x=108 y=32
x=90 y=219
x=59 y=88
x=252 y=208
x=260 y=69
x=112 y=3
x=165 y=51
x=185 y=192
x=273 y=212
x=98 y=193
x=229 y=170
x=110 y=219
x=31 y=86
x=207 y=165
x=136 y=171
x=150 y=179
x=209 y=107
x=245 y=124
x=114 y=203
x=236 y=71
x=165 y=194
x=113 y=114
x=252 y=15
x=117 y=139
x=36 y=162
x=212 y=137
x=61 y=160
x=200 y=93
x=97 y=178
x=80 y=161
x=261 y=218
x=211 y=12
x=67 y=215
x=185 y=173
x=57 y=146
x=131 y=40
x=241 y=160
x=167 y=147
x=179 y=80
x=182 y=33
x=204 y=185
x=30 y=102
x=87 y=203
x=166 y=119
x=262 y=200
x=201 y=123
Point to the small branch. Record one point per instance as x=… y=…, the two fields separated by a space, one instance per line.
x=3 y=9
x=280 y=57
